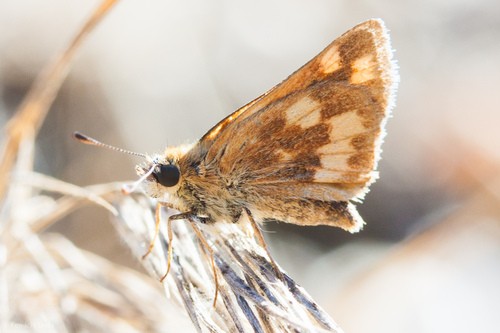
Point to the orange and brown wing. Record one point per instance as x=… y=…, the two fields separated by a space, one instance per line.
x=313 y=141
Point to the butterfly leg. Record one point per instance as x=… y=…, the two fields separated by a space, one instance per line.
x=157 y=227
x=207 y=247
x=170 y=235
x=262 y=243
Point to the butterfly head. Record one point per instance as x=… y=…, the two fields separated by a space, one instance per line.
x=167 y=175
x=161 y=175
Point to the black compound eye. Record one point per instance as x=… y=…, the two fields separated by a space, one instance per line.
x=167 y=175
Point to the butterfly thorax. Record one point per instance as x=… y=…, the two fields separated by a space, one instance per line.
x=207 y=192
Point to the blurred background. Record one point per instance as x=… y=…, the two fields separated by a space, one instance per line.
x=157 y=73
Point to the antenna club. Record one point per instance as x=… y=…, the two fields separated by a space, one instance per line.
x=91 y=141
x=82 y=138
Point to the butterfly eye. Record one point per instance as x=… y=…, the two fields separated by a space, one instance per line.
x=167 y=175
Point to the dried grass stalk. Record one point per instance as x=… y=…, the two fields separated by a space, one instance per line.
x=69 y=289
x=35 y=106
x=49 y=285
x=253 y=298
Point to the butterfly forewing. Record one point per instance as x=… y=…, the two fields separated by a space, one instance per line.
x=302 y=151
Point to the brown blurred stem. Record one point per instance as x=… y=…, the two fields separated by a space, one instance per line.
x=30 y=115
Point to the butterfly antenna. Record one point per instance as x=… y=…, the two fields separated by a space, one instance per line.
x=93 y=142
x=127 y=189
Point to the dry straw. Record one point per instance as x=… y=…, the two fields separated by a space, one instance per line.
x=252 y=297
x=47 y=284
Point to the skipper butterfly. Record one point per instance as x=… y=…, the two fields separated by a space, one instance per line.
x=302 y=153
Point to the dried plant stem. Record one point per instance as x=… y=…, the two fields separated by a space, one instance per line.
x=32 y=111
x=253 y=297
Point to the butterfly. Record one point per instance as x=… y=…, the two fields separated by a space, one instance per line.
x=301 y=153
x=304 y=152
